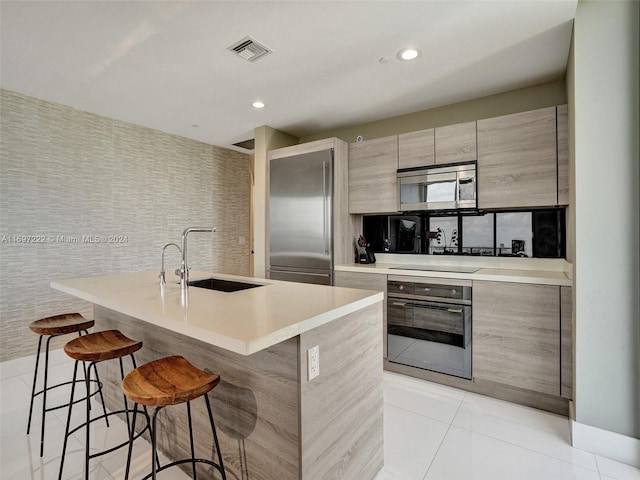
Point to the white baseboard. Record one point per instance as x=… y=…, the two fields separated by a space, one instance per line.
x=605 y=443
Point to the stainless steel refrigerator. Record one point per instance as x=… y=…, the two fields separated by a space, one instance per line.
x=300 y=218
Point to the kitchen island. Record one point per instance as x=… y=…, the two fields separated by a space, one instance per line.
x=273 y=422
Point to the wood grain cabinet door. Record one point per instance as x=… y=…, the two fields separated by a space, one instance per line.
x=563 y=155
x=517 y=160
x=416 y=149
x=566 y=342
x=366 y=281
x=456 y=143
x=372 y=176
x=516 y=335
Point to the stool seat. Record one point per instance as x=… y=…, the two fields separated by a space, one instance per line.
x=100 y=346
x=162 y=383
x=167 y=381
x=52 y=327
x=93 y=349
x=61 y=324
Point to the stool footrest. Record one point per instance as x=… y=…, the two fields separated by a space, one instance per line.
x=62 y=405
x=186 y=460
x=95 y=419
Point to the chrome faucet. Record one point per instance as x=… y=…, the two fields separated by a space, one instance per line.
x=162 y=272
x=184 y=268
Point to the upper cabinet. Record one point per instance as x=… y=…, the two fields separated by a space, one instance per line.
x=416 y=149
x=372 y=176
x=523 y=161
x=517 y=160
x=439 y=146
x=563 y=155
x=455 y=143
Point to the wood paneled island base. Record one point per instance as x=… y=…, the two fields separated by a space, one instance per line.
x=273 y=423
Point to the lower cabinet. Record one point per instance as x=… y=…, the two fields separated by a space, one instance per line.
x=366 y=281
x=516 y=335
x=566 y=342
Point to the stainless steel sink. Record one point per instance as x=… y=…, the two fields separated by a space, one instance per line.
x=223 y=285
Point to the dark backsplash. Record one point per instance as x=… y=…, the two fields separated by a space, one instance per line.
x=531 y=233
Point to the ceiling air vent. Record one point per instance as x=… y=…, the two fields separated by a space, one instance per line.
x=249 y=49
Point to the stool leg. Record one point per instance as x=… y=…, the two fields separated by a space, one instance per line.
x=215 y=436
x=104 y=406
x=84 y=367
x=124 y=397
x=44 y=394
x=132 y=432
x=154 y=450
x=88 y=417
x=33 y=388
x=193 y=450
x=146 y=412
x=66 y=431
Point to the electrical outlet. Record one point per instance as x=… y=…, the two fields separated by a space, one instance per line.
x=313 y=362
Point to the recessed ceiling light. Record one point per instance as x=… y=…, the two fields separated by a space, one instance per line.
x=258 y=104
x=409 y=53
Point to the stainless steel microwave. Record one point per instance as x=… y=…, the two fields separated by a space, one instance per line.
x=450 y=187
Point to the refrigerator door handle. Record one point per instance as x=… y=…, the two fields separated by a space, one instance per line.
x=325 y=208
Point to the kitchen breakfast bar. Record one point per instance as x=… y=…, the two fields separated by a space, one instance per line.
x=273 y=422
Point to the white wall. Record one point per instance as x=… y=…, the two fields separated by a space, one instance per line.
x=604 y=113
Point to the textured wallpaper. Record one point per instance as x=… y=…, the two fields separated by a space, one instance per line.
x=83 y=195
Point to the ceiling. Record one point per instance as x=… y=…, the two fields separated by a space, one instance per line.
x=165 y=65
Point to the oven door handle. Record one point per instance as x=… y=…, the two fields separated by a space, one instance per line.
x=429 y=306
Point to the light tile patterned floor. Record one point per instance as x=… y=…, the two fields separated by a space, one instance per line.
x=432 y=432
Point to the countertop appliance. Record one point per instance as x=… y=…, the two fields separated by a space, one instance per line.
x=429 y=324
x=449 y=187
x=300 y=218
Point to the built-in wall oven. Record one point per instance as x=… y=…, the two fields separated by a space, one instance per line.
x=429 y=324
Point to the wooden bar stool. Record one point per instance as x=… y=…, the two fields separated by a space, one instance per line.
x=94 y=348
x=52 y=327
x=171 y=381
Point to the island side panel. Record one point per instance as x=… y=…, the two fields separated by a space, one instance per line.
x=255 y=406
x=342 y=409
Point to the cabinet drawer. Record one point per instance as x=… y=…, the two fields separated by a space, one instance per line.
x=404 y=288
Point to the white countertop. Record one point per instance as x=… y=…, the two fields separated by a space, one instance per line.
x=243 y=322
x=516 y=275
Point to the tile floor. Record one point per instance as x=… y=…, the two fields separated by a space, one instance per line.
x=432 y=432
